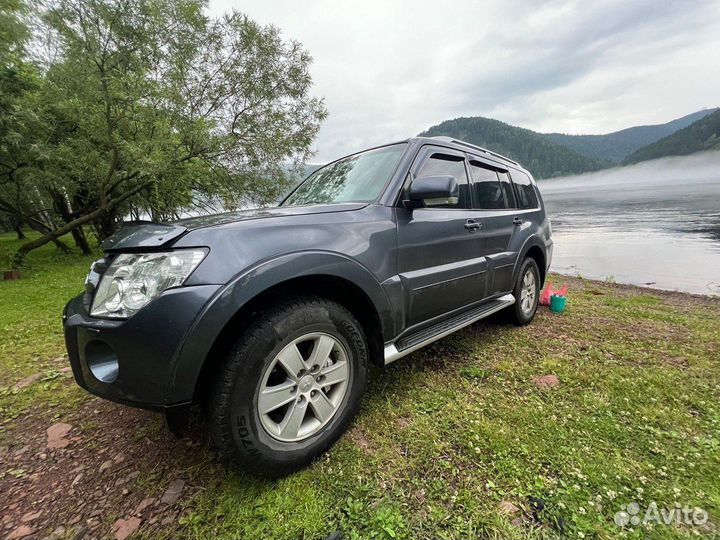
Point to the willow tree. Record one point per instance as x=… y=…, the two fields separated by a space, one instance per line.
x=150 y=106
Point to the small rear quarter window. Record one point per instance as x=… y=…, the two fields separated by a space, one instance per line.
x=527 y=198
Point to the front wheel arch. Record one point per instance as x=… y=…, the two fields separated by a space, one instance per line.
x=332 y=288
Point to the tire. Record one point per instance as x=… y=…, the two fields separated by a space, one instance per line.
x=515 y=313
x=256 y=376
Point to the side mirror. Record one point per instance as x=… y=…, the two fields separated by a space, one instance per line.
x=433 y=191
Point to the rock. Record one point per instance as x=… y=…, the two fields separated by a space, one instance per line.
x=125 y=527
x=30 y=516
x=56 y=435
x=172 y=493
x=20 y=532
x=508 y=508
x=27 y=381
x=143 y=505
x=546 y=381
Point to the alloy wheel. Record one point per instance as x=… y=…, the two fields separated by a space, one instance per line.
x=528 y=292
x=303 y=387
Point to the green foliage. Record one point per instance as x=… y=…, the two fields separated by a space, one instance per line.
x=544 y=158
x=148 y=108
x=30 y=333
x=704 y=134
x=614 y=147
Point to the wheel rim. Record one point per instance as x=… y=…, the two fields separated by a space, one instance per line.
x=303 y=387
x=528 y=292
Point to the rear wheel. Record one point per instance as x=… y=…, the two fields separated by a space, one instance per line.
x=526 y=292
x=290 y=386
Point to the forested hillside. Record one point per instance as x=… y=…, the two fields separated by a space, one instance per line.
x=616 y=146
x=701 y=135
x=533 y=150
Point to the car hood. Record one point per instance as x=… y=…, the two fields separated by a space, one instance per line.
x=148 y=235
x=259 y=213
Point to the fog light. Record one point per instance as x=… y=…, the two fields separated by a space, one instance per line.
x=102 y=361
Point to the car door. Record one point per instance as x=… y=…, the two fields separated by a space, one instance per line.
x=441 y=260
x=495 y=202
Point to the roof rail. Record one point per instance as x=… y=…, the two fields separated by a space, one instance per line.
x=474 y=146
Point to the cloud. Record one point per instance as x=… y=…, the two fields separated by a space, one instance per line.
x=389 y=70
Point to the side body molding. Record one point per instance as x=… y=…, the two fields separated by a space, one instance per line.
x=198 y=341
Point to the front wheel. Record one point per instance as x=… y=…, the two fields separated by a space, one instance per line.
x=526 y=292
x=290 y=386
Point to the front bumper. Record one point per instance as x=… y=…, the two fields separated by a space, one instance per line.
x=133 y=361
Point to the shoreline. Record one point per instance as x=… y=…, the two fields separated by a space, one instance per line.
x=655 y=288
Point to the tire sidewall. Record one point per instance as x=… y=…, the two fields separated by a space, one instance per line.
x=521 y=317
x=249 y=436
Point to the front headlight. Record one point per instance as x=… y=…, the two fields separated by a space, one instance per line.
x=134 y=279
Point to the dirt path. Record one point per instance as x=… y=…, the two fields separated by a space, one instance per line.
x=103 y=471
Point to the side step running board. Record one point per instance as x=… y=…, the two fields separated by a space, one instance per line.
x=415 y=341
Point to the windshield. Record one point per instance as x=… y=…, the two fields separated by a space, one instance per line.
x=357 y=178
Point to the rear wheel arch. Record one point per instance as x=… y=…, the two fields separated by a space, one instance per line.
x=538 y=254
x=533 y=248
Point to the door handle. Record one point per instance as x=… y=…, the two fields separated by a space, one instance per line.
x=517 y=221
x=472 y=225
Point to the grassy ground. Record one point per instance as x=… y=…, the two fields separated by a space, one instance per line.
x=457 y=440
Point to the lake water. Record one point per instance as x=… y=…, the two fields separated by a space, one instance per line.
x=655 y=224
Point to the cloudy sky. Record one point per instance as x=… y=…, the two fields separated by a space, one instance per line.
x=390 y=69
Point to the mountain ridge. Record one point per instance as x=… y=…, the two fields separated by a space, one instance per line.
x=540 y=155
x=704 y=134
x=550 y=155
x=617 y=145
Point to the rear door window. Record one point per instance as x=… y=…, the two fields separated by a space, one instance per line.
x=527 y=198
x=448 y=165
x=486 y=184
x=507 y=189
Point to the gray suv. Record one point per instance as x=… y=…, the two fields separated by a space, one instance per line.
x=269 y=318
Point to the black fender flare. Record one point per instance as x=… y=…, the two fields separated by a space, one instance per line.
x=532 y=241
x=192 y=353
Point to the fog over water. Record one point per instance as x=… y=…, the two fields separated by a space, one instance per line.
x=656 y=223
